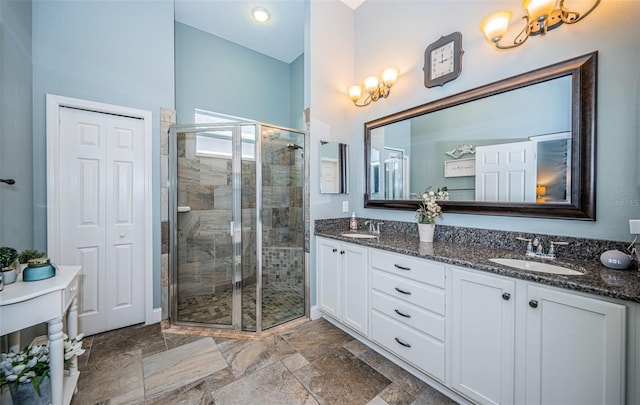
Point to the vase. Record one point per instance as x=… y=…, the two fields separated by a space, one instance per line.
x=25 y=394
x=426 y=232
x=9 y=275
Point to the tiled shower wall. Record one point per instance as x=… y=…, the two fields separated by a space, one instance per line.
x=204 y=244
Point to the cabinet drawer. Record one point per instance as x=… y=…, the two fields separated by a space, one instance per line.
x=405 y=266
x=420 y=350
x=419 y=294
x=424 y=321
x=70 y=292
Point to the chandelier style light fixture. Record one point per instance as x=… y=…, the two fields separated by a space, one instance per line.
x=376 y=87
x=542 y=16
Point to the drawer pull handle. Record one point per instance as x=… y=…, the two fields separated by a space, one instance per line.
x=402 y=267
x=533 y=304
x=342 y=252
x=334 y=250
x=402 y=314
x=400 y=342
x=401 y=291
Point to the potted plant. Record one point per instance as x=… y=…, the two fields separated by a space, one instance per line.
x=8 y=256
x=429 y=210
x=26 y=255
x=27 y=373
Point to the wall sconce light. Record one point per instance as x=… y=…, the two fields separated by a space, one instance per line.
x=542 y=16
x=376 y=87
x=541 y=191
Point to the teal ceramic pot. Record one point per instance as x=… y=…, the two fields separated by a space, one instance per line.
x=38 y=269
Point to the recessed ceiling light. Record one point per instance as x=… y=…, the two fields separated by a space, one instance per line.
x=260 y=14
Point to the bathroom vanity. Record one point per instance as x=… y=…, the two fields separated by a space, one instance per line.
x=481 y=331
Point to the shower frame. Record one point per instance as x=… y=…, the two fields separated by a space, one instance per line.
x=235 y=226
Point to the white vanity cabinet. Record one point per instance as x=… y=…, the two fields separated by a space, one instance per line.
x=482 y=336
x=408 y=309
x=488 y=338
x=575 y=349
x=343 y=282
x=568 y=348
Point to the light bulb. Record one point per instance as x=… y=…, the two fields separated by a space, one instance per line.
x=496 y=25
x=355 y=92
x=538 y=9
x=260 y=14
x=389 y=76
x=371 y=84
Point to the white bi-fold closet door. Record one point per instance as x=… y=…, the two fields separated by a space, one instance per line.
x=101 y=206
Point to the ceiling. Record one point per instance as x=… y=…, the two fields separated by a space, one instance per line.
x=282 y=37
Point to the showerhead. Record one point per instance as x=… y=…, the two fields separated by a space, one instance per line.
x=294 y=146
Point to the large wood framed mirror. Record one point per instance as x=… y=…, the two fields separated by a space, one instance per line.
x=523 y=146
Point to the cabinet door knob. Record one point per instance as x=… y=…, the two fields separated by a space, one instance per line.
x=400 y=342
x=533 y=304
x=334 y=250
x=506 y=296
x=402 y=314
x=401 y=291
x=342 y=252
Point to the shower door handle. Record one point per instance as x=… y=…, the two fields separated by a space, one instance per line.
x=231 y=229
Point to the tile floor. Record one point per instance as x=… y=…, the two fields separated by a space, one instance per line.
x=312 y=363
x=280 y=303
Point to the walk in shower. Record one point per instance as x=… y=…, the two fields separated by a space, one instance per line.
x=237 y=228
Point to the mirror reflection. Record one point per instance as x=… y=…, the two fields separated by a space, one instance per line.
x=500 y=148
x=525 y=143
x=334 y=160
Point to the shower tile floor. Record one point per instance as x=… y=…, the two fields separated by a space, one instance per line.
x=311 y=363
x=280 y=303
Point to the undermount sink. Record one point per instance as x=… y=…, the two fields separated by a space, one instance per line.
x=537 y=266
x=359 y=235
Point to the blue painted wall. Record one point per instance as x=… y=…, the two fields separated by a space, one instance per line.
x=296 y=72
x=16 y=214
x=220 y=76
x=115 y=52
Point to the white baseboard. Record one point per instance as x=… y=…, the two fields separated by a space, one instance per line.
x=315 y=313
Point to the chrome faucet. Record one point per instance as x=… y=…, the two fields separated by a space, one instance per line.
x=535 y=249
x=374 y=227
x=377 y=227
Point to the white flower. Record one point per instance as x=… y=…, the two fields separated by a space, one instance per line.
x=429 y=209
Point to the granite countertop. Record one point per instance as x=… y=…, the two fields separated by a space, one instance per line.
x=597 y=279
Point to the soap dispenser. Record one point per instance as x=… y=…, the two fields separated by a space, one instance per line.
x=353 y=223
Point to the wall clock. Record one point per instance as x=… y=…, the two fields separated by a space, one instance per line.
x=443 y=60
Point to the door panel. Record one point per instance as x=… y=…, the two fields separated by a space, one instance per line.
x=102 y=215
x=506 y=172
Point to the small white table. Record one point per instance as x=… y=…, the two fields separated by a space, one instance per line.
x=25 y=304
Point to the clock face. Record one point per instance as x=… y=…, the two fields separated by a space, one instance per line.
x=442 y=60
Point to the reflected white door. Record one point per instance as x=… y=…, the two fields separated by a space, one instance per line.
x=506 y=172
x=102 y=215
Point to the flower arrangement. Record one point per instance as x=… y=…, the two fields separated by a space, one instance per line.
x=429 y=209
x=31 y=365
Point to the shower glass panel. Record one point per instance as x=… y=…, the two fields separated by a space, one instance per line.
x=282 y=208
x=237 y=233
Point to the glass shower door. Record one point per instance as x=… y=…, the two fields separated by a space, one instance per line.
x=206 y=287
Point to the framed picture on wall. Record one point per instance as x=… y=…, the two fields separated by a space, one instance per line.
x=460 y=167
